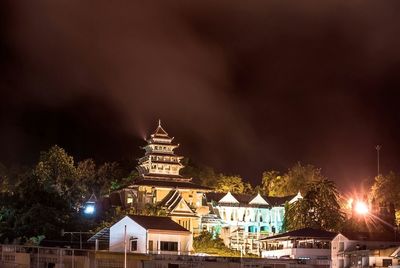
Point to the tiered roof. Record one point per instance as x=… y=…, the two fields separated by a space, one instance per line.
x=160 y=161
x=160 y=166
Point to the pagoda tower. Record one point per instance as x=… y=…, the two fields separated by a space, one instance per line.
x=160 y=161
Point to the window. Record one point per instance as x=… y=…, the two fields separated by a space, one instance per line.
x=134 y=245
x=341 y=246
x=129 y=199
x=151 y=245
x=386 y=262
x=168 y=246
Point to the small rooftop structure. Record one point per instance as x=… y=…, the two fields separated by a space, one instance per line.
x=304 y=233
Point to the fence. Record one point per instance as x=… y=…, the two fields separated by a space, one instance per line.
x=14 y=256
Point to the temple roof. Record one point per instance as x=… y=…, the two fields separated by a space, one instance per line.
x=160 y=132
x=171 y=202
x=251 y=199
x=170 y=184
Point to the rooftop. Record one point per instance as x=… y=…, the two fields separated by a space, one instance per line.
x=302 y=233
x=245 y=199
x=171 y=184
x=157 y=223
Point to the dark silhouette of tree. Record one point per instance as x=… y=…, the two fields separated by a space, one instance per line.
x=318 y=209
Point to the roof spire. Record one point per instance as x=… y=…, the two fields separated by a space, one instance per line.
x=159 y=122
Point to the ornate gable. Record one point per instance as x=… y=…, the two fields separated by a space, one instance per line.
x=228 y=198
x=174 y=204
x=258 y=200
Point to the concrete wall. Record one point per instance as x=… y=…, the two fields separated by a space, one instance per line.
x=185 y=241
x=296 y=253
x=132 y=230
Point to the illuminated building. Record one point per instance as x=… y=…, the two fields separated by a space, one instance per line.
x=160 y=183
x=243 y=219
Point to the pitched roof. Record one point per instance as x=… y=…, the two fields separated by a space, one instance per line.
x=157 y=223
x=258 y=200
x=303 y=233
x=171 y=184
x=160 y=132
x=102 y=235
x=245 y=199
x=176 y=205
x=229 y=199
x=171 y=199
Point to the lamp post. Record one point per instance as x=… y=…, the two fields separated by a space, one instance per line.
x=378 y=148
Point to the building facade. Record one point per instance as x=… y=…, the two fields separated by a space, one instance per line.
x=150 y=234
x=304 y=244
x=242 y=219
x=364 y=250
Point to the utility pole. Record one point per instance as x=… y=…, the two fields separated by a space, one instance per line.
x=125 y=247
x=378 y=148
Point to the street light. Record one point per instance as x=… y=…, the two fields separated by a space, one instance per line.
x=361 y=207
x=90 y=205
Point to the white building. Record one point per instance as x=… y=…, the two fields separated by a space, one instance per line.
x=306 y=244
x=244 y=218
x=362 y=250
x=150 y=234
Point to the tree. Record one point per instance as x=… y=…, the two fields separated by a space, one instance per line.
x=233 y=184
x=318 y=209
x=293 y=181
x=386 y=189
x=204 y=175
x=300 y=176
x=272 y=183
x=57 y=172
x=98 y=179
x=45 y=200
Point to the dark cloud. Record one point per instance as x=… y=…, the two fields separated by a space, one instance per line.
x=244 y=87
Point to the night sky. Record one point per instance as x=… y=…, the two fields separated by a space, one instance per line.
x=244 y=86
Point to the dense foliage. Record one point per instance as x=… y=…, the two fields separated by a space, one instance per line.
x=48 y=198
x=319 y=208
x=386 y=191
x=206 y=243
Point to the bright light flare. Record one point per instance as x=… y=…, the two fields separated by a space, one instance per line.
x=361 y=208
x=89 y=209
